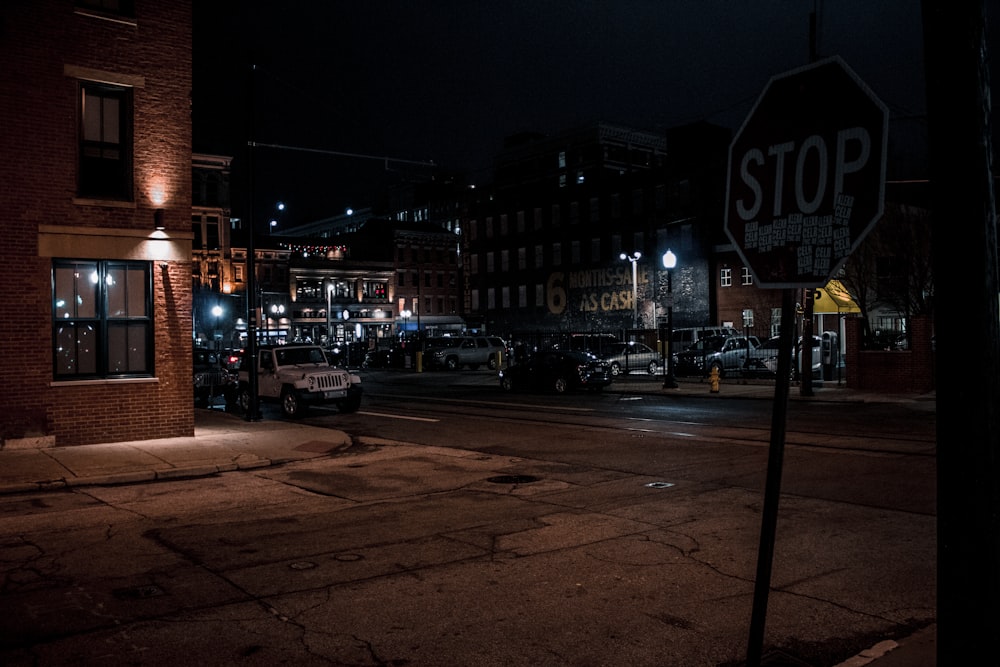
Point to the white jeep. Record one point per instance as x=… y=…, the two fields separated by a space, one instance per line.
x=297 y=376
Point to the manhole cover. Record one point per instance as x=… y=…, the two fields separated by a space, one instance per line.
x=512 y=479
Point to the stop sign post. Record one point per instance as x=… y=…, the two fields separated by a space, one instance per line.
x=805 y=184
x=806 y=176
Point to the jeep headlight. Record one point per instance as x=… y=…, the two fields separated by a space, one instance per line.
x=311 y=382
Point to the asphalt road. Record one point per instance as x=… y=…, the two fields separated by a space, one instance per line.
x=465 y=526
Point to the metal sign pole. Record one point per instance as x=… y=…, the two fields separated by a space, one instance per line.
x=772 y=489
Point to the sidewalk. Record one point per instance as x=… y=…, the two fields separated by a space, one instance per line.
x=224 y=442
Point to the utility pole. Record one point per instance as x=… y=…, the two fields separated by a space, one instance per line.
x=965 y=272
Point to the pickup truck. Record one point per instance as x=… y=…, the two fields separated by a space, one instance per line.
x=296 y=377
x=728 y=354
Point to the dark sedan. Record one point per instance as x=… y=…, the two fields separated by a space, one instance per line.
x=558 y=371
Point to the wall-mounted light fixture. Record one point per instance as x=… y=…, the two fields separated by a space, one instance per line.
x=158 y=223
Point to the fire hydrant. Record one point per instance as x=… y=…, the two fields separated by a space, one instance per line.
x=713 y=379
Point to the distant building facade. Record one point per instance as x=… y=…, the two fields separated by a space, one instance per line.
x=95 y=130
x=542 y=248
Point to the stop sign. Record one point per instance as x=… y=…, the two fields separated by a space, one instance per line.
x=806 y=175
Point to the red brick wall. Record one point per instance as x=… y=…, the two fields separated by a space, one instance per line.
x=895 y=371
x=42 y=40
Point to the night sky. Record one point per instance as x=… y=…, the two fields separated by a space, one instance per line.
x=446 y=81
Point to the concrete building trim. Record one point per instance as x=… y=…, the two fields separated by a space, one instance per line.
x=104 y=76
x=108 y=243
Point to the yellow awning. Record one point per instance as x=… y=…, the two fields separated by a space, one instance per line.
x=833 y=298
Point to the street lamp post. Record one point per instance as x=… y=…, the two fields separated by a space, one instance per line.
x=273 y=223
x=669 y=263
x=217 y=312
x=405 y=314
x=277 y=311
x=634 y=259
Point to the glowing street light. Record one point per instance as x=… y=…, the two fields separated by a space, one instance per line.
x=634 y=259
x=217 y=313
x=669 y=263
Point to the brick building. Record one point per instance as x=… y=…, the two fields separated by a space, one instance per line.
x=95 y=130
x=542 y=248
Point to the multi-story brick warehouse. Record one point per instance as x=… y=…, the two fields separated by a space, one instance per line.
x=547 y=247
x=95 y=134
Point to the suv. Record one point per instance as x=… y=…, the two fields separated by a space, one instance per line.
x=725 y=353
x=472 y=351
x=297 y=376
x=211 y=377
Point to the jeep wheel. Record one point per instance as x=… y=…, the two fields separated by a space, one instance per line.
x=560 y=385
x=242 y=399
x=291 y=405
x=652 y=368
x=616 y=368
x=451 y=363
x=506 y=383
x=492 y=363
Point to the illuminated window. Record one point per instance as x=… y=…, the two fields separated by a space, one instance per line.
x=375 y=290
x=102 y=319
x=726 y=278
x=105 y=154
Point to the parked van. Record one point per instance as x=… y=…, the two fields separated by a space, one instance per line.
x=682 y=339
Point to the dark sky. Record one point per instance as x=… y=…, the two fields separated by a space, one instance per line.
x=447 y=80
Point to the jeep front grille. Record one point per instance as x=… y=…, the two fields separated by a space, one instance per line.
x=330 y=381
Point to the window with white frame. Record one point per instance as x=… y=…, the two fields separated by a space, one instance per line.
x=746 y=277
x=726 y=277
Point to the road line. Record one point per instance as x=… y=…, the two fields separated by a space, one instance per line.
x=382 y=414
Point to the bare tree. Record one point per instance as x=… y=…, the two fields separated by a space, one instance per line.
x=891 y=268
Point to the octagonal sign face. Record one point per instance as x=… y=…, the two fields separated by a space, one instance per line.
x=806 y=177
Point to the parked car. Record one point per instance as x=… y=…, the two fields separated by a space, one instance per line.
x=453 y=352
x=764 y=359
x=727 y=354
x=211 y=376
x=685 y=338
x=598 y=343
x=627 y=357
x=557 y=370
x=297 y=377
